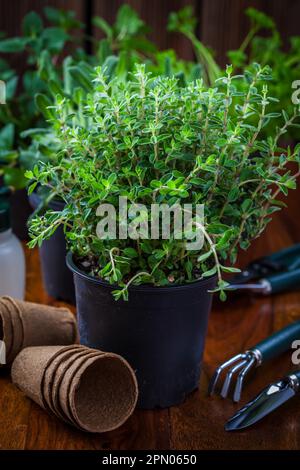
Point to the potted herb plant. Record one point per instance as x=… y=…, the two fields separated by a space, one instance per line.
x=151 y=141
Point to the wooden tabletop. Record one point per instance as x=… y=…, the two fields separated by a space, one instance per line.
x=199 y=422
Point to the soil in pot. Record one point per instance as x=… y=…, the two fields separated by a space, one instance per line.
x=57 y=278
x=160 y=331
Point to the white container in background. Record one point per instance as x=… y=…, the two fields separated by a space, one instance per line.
x=12 y=259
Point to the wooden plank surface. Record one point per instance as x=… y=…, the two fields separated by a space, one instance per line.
x=199 y=422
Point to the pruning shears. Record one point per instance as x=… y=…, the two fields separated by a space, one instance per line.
x=271 y=274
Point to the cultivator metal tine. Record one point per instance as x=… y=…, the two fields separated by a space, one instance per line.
x=242 y=363
x=219 y=370
x=240 y=379
x=229 y=375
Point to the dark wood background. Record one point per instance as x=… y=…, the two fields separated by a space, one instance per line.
x=222 y=23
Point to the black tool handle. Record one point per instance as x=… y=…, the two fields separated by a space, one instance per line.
x=286 y=280
x=286 y=255
x=279 y=342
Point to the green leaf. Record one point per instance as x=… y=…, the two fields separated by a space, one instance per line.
x=15 y=177
x=54 y=39
x=104 y=26
x=105 y=50
x=291 y=184
x=246 y=205
x=237 y=58
x=13 y=45
x=32 y=24
x=223 y=296
x=81 y=77
x=32 y=187
x=260 y=18
x=52 y=14
x=285 y=116
x=229 y=269
x=42 y=102
x=159 y=254
x=109 y=66
x=8 y=156
x=204 y=257
x=223 y=241
x=233 y=194
x=128 y=22
x=29 y=174
x=7 y=134
x=11 y=88
x=130 y=253
x=210 y=272
x=182 y=20
x=55 y=88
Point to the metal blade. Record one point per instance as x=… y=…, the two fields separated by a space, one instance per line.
x=267 y=401
x=253 y=287
x=262 y=287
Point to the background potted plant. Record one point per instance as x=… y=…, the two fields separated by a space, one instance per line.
x=43 y=46
x=153 y=141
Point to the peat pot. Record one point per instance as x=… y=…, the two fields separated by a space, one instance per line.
x=57 y=278
x=160 y=331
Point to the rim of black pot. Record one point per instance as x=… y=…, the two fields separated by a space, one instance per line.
x=72 y=266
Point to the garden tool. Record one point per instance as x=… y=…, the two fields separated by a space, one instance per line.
x=269 y=348
x=286 y=259
x=270 y=274
x=273 y=396
x=274 y=284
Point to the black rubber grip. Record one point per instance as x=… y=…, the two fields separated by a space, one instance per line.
x=279 y=342
x=287 y=280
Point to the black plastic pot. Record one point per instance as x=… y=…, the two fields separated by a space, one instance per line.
x=20 y=211
x=160 y=331
x=57 y=278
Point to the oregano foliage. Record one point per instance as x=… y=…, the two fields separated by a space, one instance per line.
x=153 y=141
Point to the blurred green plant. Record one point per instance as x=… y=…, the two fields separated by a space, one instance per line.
x=269 y=49
x=44 y=49
x=184 y=22
x=126 y=38
x=263 y=49
x=127 y=42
